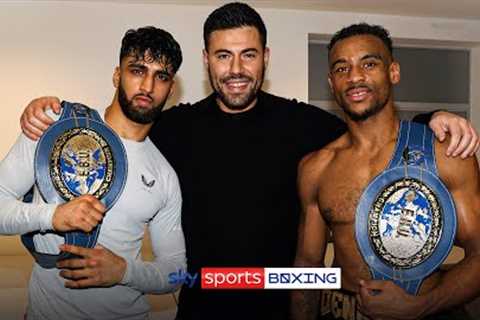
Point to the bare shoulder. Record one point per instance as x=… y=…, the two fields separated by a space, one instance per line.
x=462 y=179
x=313 y=164
x=455 y=171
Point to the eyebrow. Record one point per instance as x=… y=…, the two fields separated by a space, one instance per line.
x=341 y=60
x=375 y=56
x=229 y=51
x=135 y=64
x=165 y=73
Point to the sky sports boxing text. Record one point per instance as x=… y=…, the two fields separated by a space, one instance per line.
x=260 y=278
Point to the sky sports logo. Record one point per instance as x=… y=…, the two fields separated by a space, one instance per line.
x=270 y=278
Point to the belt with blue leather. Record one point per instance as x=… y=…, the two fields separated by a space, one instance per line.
x=77 y=155
x=405 y=222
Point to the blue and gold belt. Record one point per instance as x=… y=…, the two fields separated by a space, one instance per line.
x=75 y=156
x=405 y=222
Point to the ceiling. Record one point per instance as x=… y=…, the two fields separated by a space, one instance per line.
x=460 y=9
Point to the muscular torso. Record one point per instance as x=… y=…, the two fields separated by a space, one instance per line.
x=341 y=183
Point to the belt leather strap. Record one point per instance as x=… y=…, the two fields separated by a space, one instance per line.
x=77 y=155
x=405 y=221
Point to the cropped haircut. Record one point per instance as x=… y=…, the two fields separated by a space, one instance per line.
x=234 y=15
x=362 y=29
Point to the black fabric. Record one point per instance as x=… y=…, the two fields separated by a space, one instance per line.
x=424 y=118
x=339 y=304
x=238 y=178
x=342 y=305
x=237 y=173
x=457 y=313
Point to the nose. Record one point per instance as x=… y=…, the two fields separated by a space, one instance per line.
x=356 y=74
x=236 y=65
x=147 y=84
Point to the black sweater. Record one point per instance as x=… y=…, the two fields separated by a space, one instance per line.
x=238 y=178
x=240 y=205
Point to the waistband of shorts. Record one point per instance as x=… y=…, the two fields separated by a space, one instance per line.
x=340 y=304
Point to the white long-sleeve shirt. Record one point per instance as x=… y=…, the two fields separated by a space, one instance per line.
x=155 y=205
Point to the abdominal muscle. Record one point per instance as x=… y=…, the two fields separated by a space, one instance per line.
x=353 y=267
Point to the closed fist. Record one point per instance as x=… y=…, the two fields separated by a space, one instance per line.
x=83 y=213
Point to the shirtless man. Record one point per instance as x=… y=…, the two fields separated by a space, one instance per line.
x=362 y=74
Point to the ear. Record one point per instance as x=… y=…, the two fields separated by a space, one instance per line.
x=172 y=89
x=394 y=71
x=205 y=58
x=266 y=56
x=116 y=77
x=330 y=83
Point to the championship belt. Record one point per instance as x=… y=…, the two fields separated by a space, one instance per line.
x=405 y=221
x=77 y=155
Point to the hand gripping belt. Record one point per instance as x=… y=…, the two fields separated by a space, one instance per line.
x=77 y=155
x=405 y=221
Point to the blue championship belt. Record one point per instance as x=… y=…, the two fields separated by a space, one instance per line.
x=77 y=155
x=405 y=221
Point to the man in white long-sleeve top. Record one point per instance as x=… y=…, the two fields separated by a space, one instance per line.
x=110 y=280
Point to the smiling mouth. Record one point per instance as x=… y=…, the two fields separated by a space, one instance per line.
x=358 y=94
x=236 y=85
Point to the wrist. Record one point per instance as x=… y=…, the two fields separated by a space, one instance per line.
x=54 y=222
x=422 y=305
x=49 y=220
x=437 y=113
x=122 y=263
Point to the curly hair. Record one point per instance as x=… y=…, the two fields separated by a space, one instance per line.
x=153 y=43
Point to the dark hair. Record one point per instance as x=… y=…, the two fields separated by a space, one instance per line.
x=154 y=43
x=362 y=29
x=234 y=15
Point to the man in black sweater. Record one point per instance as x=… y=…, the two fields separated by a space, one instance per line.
x=236 y=154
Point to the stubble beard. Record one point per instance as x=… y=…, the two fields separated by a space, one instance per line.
x=238 y=102
x=375 y=108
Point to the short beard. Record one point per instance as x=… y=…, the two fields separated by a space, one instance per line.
x=359 y=117
x=364 y=115
x=241 y=102
x=135 y=115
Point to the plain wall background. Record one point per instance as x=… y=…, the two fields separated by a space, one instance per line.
x=70 y=49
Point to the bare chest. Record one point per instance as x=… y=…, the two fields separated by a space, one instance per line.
x=342 y=187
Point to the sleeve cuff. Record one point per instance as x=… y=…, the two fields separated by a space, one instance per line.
x=46 y=213
x=127 y=276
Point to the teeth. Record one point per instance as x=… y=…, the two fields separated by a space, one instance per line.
x=358 y=94
x=236 y=84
